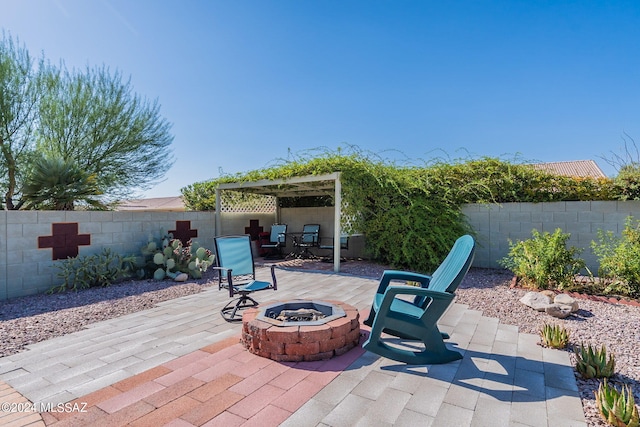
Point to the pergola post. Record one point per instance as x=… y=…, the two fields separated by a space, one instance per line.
x=218 y=213
x=337 y=226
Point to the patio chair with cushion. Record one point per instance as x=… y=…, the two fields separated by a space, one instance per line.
x=416 y=320
x=277 y=240
x=309 y=238
x=236 y=272
x=327 y=244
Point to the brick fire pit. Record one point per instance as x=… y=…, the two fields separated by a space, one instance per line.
x=301 y=341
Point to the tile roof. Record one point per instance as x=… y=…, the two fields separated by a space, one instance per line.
x=577 y=168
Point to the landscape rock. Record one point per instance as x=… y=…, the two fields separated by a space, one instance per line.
x=558 y=310
x=565 y=299
x=548 y=293
x=536 y=300
x=182 y=277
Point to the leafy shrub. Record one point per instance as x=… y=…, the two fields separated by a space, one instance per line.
x=544 y=261
x=620 y=259
x=102 y=269
x=627 y=183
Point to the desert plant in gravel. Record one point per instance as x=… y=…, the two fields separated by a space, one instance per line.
x=168 y=257
x=619 y=259
x=101 y=269
x=554 y=336
x=544 y=261
x=175 y=258
x=594 y=363
x=617 y=407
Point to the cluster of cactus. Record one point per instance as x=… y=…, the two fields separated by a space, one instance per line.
x=101 y=269
x=170 y=258
x=617 y=407
x=554 y=336
x=593 y=363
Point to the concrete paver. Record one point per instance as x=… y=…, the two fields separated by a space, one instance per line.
x=177 y=363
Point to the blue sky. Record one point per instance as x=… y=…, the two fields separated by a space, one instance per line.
x=245 y=82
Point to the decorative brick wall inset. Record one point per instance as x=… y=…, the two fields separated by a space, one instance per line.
x=183 y=232
x=64 y=240
x=254 y=229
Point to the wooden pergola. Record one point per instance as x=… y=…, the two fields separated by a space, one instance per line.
x=301 y=186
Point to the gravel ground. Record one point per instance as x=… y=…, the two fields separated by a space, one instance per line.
x=36 y=318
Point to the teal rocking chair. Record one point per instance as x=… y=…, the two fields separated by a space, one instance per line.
x=393 y=312
x=236 y=272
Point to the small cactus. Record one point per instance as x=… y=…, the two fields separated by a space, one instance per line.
x=617 y=407
x=554 y=336
x=159 y=274
x=593 y=363
x=158 y=258
x=172 y=258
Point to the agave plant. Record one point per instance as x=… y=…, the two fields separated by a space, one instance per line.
x=554 y=336
x=617 y=407
x=593 y=363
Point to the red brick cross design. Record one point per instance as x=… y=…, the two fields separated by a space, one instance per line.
x=64 y=240
x=254 y=229
x=183 y=232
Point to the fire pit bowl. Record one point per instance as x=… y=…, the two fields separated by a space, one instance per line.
x=334 y=332
x=326 y=312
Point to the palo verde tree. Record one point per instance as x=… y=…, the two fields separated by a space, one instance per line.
x=94 y=120
x=20 y=91
x=103 y=139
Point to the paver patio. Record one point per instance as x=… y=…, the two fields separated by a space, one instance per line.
x=180 y=364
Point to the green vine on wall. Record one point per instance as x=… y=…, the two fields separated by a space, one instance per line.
x=411 y=213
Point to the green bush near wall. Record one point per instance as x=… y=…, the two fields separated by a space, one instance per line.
x=620 y=259
x=544 y=261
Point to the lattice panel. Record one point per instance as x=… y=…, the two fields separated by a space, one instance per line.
x=238 y=202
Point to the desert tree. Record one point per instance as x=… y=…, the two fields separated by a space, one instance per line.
x=94 y=120
x=627 y=165
x=20 y=91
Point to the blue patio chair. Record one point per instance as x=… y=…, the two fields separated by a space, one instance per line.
x=277 y=240
x=309 y=238
x=395 y=314
x=327 y=243
x=236 y=272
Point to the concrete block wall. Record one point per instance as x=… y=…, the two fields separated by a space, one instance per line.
x=3 y=255
x=496 y=224
x=235 y=223
x=26 y=267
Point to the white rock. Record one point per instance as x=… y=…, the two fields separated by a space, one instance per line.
x=182 y=277
x=558 y=310
x=564 y=299
x=536 y=300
